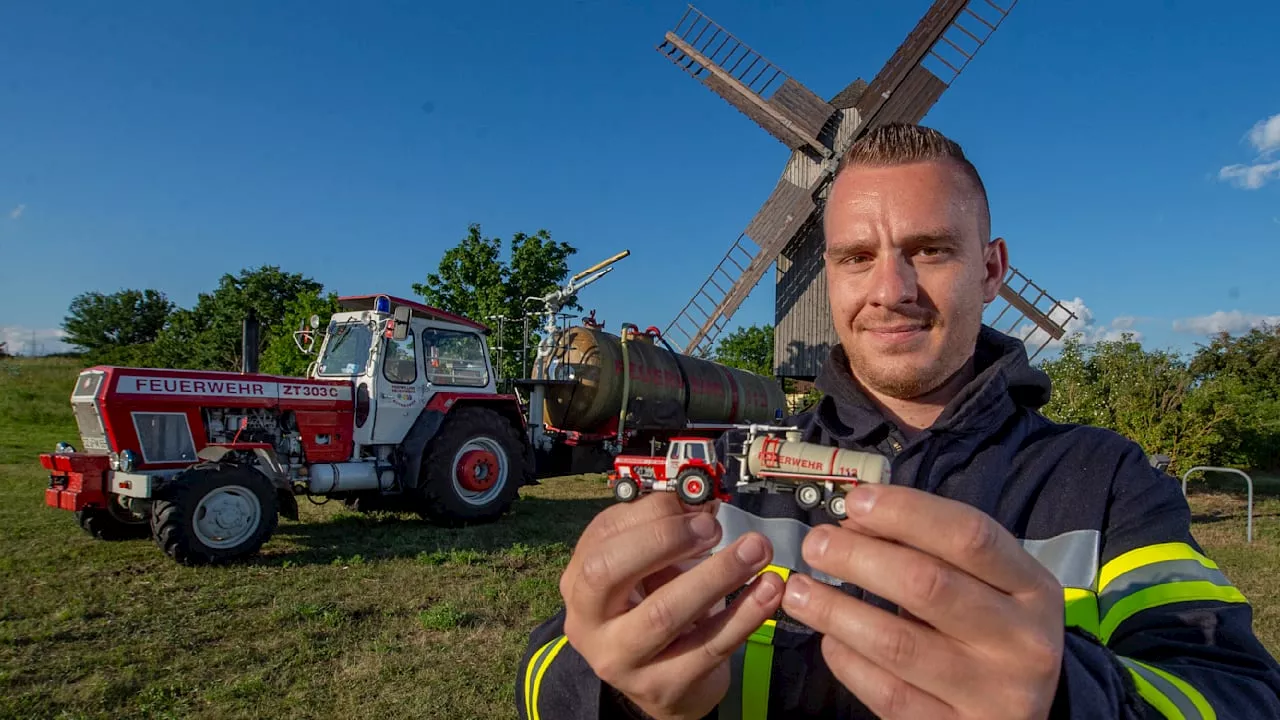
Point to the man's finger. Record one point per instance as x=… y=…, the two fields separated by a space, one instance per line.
x=954 y=602
x=917 y=654
x=612 y=567
x=885 y=694
x=947 y=529
x=621 y=517
x=716 y=639
x=649 y=627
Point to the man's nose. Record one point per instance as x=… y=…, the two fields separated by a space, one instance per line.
x=893 y=281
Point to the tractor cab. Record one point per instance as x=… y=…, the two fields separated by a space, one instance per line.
x=686 y=451
x=398 y=354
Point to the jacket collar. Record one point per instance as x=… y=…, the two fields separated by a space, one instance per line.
x=1004 y=381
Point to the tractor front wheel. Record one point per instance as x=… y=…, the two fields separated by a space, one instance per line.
x=472 y=470
x=625 y=490
x=215 y=513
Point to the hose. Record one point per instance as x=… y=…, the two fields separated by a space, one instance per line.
x=626 y=378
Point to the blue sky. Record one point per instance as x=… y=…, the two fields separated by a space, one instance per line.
x=152 y=144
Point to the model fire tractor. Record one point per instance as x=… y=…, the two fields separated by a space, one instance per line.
x=773 y=459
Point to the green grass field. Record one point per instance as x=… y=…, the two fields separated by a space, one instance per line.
x=342 y=615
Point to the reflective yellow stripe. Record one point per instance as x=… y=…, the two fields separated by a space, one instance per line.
x=531 y=696
x=1164 y=595
x=1162 y=704
x=528 y=676
x=1081 y=609
x=1168 y=693
x=783 y=573
x=1149 y=555
x=757 y=669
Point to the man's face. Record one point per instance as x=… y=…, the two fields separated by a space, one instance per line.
x=909 y=268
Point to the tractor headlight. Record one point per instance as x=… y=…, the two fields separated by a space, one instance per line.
x=127 y=461
x=64 y=449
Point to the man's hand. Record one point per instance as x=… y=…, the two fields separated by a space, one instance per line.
x=981 y=634
x=669 y=652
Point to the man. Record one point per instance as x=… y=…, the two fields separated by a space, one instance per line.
x=1014 y=567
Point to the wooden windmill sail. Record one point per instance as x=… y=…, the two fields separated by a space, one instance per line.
x=786 y=232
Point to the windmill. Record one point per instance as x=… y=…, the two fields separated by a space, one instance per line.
x=787 y=231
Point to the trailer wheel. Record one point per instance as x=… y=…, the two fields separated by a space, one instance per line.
x=693 y=486
x=113 y=522
x=626 y=490
x=212 y=514
x=472 y=469
x=808 y=496
x=835 y=506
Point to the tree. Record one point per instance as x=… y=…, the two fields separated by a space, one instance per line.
x=474 y=281
x=1148 y=396
x=208 y=336
x=117 y=324
x=1246 y=369
x=282 y=356
x=748 y=348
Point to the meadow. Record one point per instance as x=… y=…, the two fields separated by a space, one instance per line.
x=342 y=614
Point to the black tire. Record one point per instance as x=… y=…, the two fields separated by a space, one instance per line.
x=443 y=498
x=694 y=487
x=808 y=496
x=183 y=527
x=626 y=490
x=835 y=506
x=114 y=523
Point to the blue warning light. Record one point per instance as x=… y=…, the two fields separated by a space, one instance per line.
x=382 y=304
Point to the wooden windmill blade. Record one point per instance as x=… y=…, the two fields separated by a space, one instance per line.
x=1025 y=311
x=817 y=132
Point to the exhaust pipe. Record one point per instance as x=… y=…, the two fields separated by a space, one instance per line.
x=249 y=343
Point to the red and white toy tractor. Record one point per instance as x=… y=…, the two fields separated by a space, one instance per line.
x=689 y=468
x=773 y=459
x=399 y=411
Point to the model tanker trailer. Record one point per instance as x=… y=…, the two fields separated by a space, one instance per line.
x=772 y=459
x=400 y=411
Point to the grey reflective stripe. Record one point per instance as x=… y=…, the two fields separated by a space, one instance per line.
x=1168 y=571
x=1167 y=689
x=731 y=707
x=1072 y=557
x=786 y=534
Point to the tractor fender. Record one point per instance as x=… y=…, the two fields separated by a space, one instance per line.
x=268 y=464
x=435 y=415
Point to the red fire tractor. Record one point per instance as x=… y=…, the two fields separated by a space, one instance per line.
x=690 y=468
x=773 y=459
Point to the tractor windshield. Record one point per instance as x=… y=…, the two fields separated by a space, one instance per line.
x=346 y=352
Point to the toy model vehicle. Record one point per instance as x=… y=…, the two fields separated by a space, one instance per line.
x=773 y=459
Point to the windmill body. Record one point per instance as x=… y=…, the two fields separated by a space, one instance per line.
x=786 y=232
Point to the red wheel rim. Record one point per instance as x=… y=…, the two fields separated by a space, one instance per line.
x=693 y=486
x=477 y=470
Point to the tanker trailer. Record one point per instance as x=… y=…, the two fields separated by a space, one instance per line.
x=632 y=388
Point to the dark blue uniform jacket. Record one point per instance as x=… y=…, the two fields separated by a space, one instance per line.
x=1154 y=628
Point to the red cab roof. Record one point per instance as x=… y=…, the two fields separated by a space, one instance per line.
x=365 y=302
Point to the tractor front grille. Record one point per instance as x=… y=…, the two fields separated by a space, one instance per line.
x=92 y=434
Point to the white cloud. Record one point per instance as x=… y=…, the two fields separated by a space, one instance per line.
x=1264 y=136
x=28 y=341
x=16 y=213
x=1250 y=177
x=1229 y=322
x=1083 y=324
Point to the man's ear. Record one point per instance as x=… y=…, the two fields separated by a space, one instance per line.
x=995 y=258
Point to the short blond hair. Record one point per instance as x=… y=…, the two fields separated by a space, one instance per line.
x=905 y=143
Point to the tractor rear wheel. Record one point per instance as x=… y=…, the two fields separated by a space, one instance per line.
x=693 y=486
x=472 y=470
x=113 y=523
x=215 y=513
